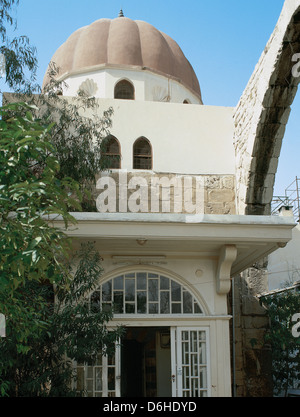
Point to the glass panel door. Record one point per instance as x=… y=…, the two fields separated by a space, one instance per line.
x=102 y=378
x=190 y=365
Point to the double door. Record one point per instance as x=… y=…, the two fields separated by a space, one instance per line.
x=185 y=373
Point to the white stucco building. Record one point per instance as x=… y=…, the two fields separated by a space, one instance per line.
x=170 y=234
x=284 y=265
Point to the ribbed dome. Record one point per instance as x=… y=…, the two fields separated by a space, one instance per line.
x=122 y=42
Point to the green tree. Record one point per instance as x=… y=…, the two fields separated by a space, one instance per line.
x=281 y=307
x=79 y=133
x=31 y=248
x=35 y=260
x=19 y=54
x=50 y=153
x=79 y=129
x=75 y=331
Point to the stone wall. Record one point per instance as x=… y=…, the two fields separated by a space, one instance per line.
x=260 y=120
x=252 y=374
x=150 y=192
x=262 y=114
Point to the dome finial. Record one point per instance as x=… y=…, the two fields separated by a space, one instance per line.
x=121 y=14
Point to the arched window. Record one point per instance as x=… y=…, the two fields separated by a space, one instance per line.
x=186 y=101
x=142 y=154
x=144 y=293
x=111 y=153
x=124 y=90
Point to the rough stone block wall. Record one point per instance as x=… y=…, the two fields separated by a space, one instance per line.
x=260 y=120
x=251 y=355
x=216 y=195
x=262 y=114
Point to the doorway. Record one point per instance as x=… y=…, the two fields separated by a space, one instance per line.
x=151 y=362
x=146 y=362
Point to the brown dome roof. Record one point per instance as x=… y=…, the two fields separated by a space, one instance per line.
x=125 y=43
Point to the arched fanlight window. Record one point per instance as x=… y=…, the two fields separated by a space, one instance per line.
x=111 y=153
x=144 y=293
x=142 y=154
x=124 y=90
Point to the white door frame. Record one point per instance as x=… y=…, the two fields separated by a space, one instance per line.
x=90 y=386
x=176 y=359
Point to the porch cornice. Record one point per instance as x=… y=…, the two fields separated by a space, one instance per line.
x=253 y=236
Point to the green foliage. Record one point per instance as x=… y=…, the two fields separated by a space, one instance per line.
x=78 y=133
x=20 y=56
x=74 y=331
x=34 y=259
x=50 y=153
x=31 y=248
x=78 y=130
x=285 y=347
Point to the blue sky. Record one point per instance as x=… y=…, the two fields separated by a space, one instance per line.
x=223 y=40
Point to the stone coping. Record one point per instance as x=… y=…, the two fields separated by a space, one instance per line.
x=181 y=218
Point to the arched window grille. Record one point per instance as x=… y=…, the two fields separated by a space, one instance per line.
x=124 y=90
x=144 y=293
x=111 y=153
x=142 y=154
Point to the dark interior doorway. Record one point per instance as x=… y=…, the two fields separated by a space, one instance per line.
x=132 y=369
x=146 y=362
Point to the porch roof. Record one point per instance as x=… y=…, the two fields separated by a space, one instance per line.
x=153 y=235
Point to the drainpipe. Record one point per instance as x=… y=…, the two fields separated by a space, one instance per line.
x=233 y=339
